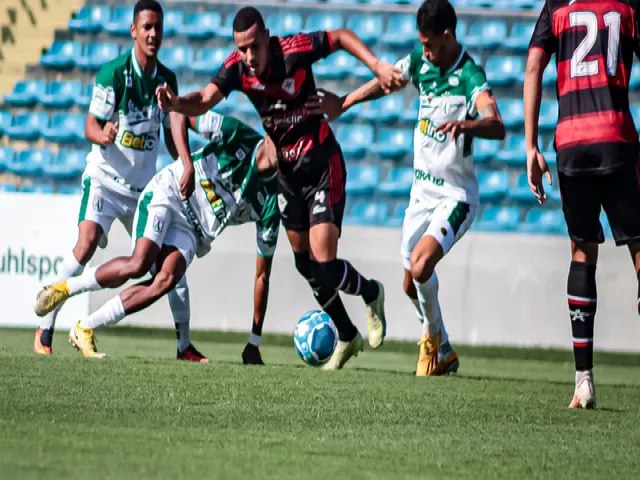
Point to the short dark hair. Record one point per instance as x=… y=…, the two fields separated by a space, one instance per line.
x=246 y=18
x=436 y=16
x=142 y=5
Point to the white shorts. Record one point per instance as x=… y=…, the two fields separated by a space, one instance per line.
x=102 y=203
x=161 y=218
x=444 y=219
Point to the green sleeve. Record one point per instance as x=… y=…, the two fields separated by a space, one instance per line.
x=106 y=94
x=475 y=83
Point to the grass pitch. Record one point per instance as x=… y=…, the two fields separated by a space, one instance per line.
x=140 y=414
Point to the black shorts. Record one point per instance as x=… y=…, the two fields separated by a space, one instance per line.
x=313 y=192
x=618 y=193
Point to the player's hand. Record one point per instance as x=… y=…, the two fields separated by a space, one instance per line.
x=389 y=76
x=536 y=168
x=109 y=133
x=187 y=182
x=325 y=103
x=167 y=99
x=455 y=128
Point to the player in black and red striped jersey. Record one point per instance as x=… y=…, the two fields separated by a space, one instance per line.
x=276 y=74
x=596 y=143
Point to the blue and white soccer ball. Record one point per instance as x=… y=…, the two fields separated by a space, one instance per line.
x=315 y=337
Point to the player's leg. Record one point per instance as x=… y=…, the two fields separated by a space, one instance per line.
x=94 y=221
x=410 y=290
x=251 y=353
x=581 y=204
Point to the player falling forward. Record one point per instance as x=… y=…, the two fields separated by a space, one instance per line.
x=596 y=143
x=453 y=90
x=169 y=231
x=123 y=124
x=276 y=74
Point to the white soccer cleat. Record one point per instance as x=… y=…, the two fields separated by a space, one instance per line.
x=376 y=321
x=343 y=352
x=585 y=393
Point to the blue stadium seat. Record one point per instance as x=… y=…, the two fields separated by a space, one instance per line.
x=26 y=93
x=8 y=187
x=164 y=159
x=120 y=22
x=202 y=25
x=514 y=152
x=393 y=143
x=634 y=107
x=354 y=113
x=355 y=140
x=543 y=221
x=97 y=54
x=550 y=154
x=238 y=104
x=486 y=34
x=36 y=188
x=285 y=23
x=520 y=36
x=209 y=59
x=324 y=21
x=410 y=113
x=173 y=23
x=29 y=163
x=6 y=156
x=84 y=98
x=177 y=58
x=499 y=219
x=504 y=71
x=70 y=190
x=398 y=182
x=634 y=79
x=65 y=165
x=337 y=66
x=521 y=193
x=493 y=185
x=462 y=28
x=368 y=27
x=90 y=19
x=365 y=212
x=61 y=93
x=400 y=31
x=27 y=126
x=362 y=179
x=226 y=29
x=5 y=120
x=390 y=108
x=61 y=55
x=548 y=115
x=397 y=215
x=512 y=111
x=369 y=111
x=65 y=128
x=550 y=76
x=485 y=150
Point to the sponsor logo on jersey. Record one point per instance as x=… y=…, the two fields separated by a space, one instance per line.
x=428 y=129
x=146 y=141
x=217 y=205
x=423 y=176
x=286 y=118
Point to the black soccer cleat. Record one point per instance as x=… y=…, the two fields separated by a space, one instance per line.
x=251 y=355
x=191 y=354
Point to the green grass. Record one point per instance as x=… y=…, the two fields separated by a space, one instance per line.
x=140 y=414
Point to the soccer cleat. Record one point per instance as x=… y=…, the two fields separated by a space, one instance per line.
x=343 y=352
x=251 y=355
x=51 y=297
x=191 y=354
x=376 y=320
x=42 y=341
x=84 y=340
x=428 y=357
x=447 y=364
x=585 y=393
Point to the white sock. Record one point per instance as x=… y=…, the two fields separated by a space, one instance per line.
x=84 y=283
x=430 y=306
x=255 y=339
x=108 y=314
x=181 y=311
x=69 y=268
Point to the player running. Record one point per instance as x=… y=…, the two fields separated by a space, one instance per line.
x=124 y=124
x=444 y=199
x=276 y=74
x=170 y=230
x=596 y=143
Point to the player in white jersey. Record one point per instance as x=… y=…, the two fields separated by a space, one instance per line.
x=169 y=230
x=444 y=196
x=123 y=124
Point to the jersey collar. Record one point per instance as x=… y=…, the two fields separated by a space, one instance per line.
x=455 y=65
x=138 y=68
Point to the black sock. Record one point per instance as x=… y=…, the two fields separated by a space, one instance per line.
x=582 y=297
x=342 y=276
x=638 y=301
x=46 y=337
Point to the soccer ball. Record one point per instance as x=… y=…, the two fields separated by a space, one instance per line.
x=315 y=337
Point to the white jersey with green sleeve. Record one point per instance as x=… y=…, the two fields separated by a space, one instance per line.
x=123 y=93
x=443 y=167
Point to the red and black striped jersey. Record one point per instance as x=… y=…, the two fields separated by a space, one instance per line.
x=594 y=42
x=279 y=96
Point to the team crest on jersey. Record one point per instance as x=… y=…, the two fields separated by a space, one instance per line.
x=97 y=203
x=424 y=69
x=454 y=81
x=240 y=155
x=282 y=203
x=158 y=224
x=289 y=86
x=127 y=78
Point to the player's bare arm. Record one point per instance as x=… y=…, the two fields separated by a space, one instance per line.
x=192 y=104
x=536 y=163
x=388 y=76
x=181 y=140
x=171 y=146
x=489 y=125
x=99 y=132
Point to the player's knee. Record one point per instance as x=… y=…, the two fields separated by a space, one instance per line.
x=303 y=264
x=137 y=267
x=421 y=268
